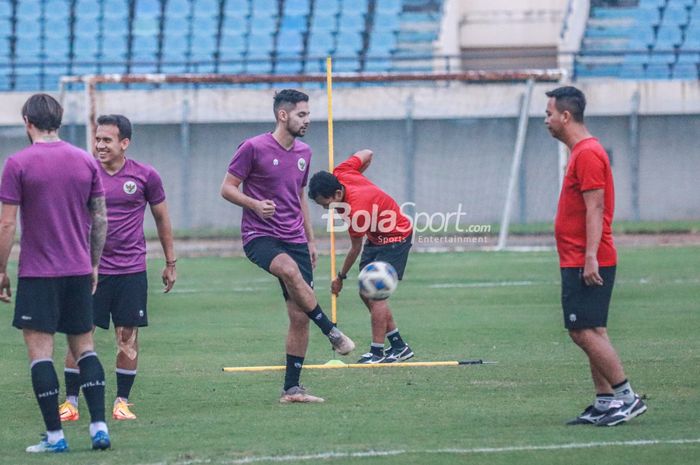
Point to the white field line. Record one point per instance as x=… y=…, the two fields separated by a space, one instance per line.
x=452 y=451
x=641 y=281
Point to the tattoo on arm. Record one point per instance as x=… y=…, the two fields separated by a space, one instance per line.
x=98 y=231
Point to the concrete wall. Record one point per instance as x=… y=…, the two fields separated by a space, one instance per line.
x=463 y=138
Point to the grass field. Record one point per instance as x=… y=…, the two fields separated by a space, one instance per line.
x=495 y=306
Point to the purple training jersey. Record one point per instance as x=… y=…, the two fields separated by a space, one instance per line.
x=269 y=172
x=127 y=192
x=52 y=183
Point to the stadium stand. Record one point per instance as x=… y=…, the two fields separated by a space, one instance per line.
x=653 y=39
x=44 y=39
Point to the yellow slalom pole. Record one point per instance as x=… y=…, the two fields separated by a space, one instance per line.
x=451 y=363
x=331 y=165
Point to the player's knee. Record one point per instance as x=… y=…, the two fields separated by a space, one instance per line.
x=581 y=337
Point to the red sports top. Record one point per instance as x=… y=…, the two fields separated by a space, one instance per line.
x=372 y=211
x=588 y=169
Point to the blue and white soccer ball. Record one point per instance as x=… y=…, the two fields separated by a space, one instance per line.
x=378 y=280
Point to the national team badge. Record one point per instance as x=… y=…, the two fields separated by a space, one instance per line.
x=130 y=187
x=301 y=164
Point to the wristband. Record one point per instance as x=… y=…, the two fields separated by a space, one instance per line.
x=170 y=263
x=342 y=277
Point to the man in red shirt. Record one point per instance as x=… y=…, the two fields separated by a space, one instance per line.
x=587 y=256
x=373 y=213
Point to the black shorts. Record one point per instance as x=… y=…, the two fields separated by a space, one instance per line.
x=124 y=297
x=53 y=305
x=395 y=253
x=586 y=306
x=262 y=250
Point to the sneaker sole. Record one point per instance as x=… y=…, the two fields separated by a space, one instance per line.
x=634 y=414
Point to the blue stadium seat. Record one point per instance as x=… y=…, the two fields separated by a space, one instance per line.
x=144 y=48
x=29 y=10
x=351 y=22
x=348 y=43
x=684 y=3
x=345 y=64
x=326 y=6
x=359 y=6
x=235 y=25
x=290 y=42
x=668 y=37
x=206 y=8
x=662 y=58
x=635 y=59
x=176 y=25
x=118 y=8
x=297 y=7
x=203 y=47
x=177 y=9
x=674 y=16
x=233 y=43
x=296 y=22
x=320 y=44
x=237 y=8
x=685 y=71
x=145 y=26
x=147 y=8
x=111 y=26
x=57 y=28
x=647 y=16
x=28 y=29
x=262 y=24
x=175 y=47
x=652 y=3
x=260 y=44
x=114 y=48
x=5 y=12
x=390 y=7
x=386 y=23
x=641 y=37
x=56 y=9
x=688 y=57
x=657 y=71
x=231 y=67
x=288 y=65
x=85 y=50
x=57 y=50
x=85 y=9
x=374 y=65
x=267 y=6
x=205 y=24
x=315 y=66
x=324 y=22
x=258 y=66
x=381 y=43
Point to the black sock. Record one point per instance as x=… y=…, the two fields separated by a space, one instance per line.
x=377 y=349
x=92 y=381
x=125 y=379
x=72 y=377
x=321 y=320
x=395 y=339
x=45 y=384
x=293 y=372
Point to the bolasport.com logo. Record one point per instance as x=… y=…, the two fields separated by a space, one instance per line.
x=436 y=227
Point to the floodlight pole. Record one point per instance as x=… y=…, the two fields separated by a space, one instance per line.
x=515 y=165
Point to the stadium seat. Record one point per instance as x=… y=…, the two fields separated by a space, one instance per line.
x=267 y=6
x=177 y=9
x=668 y=37
x=373 y=65
x=203 y=47
x=85 y=9
x=175 y=47
x=388 y=7
x=324 y=23
x=297 y=7
x=647 y=16
x=675 y=16
x=260 y=44
x=233 y=43
x=234 y=25
x=685 y=71
x=204 y=8
x=237 y=8
x=386 y=23
x=326 y=6
x=27 y=29
x=144 y=47
x=320 y=44
x=290 y=42
x=296 y=22
x=147 y=9
x=111 y=26
x=291 y=65
x=348 y=43
x=5 y=12
x=263 y=24
x=29 y=10
x=381 y=43
x=145 y=26
x=651 y=3
x=657 y=71
x=57 y=28
x=258 y=66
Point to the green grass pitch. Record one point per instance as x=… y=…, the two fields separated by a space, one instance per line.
x=495 y=306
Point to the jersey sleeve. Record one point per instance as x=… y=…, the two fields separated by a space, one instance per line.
x=155 y=193
x=591 y=171
x=11 y=186
x=242 y=162
x=351 y=164
x=97 y=189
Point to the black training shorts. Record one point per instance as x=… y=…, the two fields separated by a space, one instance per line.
x=586 y=306
x=395 y=253
x=124 y=297
x=262 y=250
x=53 y=305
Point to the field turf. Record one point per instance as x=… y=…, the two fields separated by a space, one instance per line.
x=495 y=306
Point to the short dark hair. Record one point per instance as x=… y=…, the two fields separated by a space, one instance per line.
x=323 y=184
x=288 y=98
x=43 y=111
x=120 y=121
x=569 y=99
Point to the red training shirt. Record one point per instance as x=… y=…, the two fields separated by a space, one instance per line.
x=588 y=169
x=372 y=211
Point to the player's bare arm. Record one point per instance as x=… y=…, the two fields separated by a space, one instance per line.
x=165 y=235
x=98 y=234
x=230 y=190
x=8 y=225
x=350 y=259
x=595 y=206
x=365 y=157
x=308 y=228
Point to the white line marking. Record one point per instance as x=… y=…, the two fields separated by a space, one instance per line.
x=455 y=451
x=487 y=284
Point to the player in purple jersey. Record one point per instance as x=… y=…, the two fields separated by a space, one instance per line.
x=123 y=287
x=276 y=228
x=58 y=190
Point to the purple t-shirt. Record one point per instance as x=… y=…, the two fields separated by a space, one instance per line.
x=268 y=171
x=127 y=192
x=52 y=183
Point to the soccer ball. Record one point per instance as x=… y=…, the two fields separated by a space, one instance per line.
x=378 y=280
